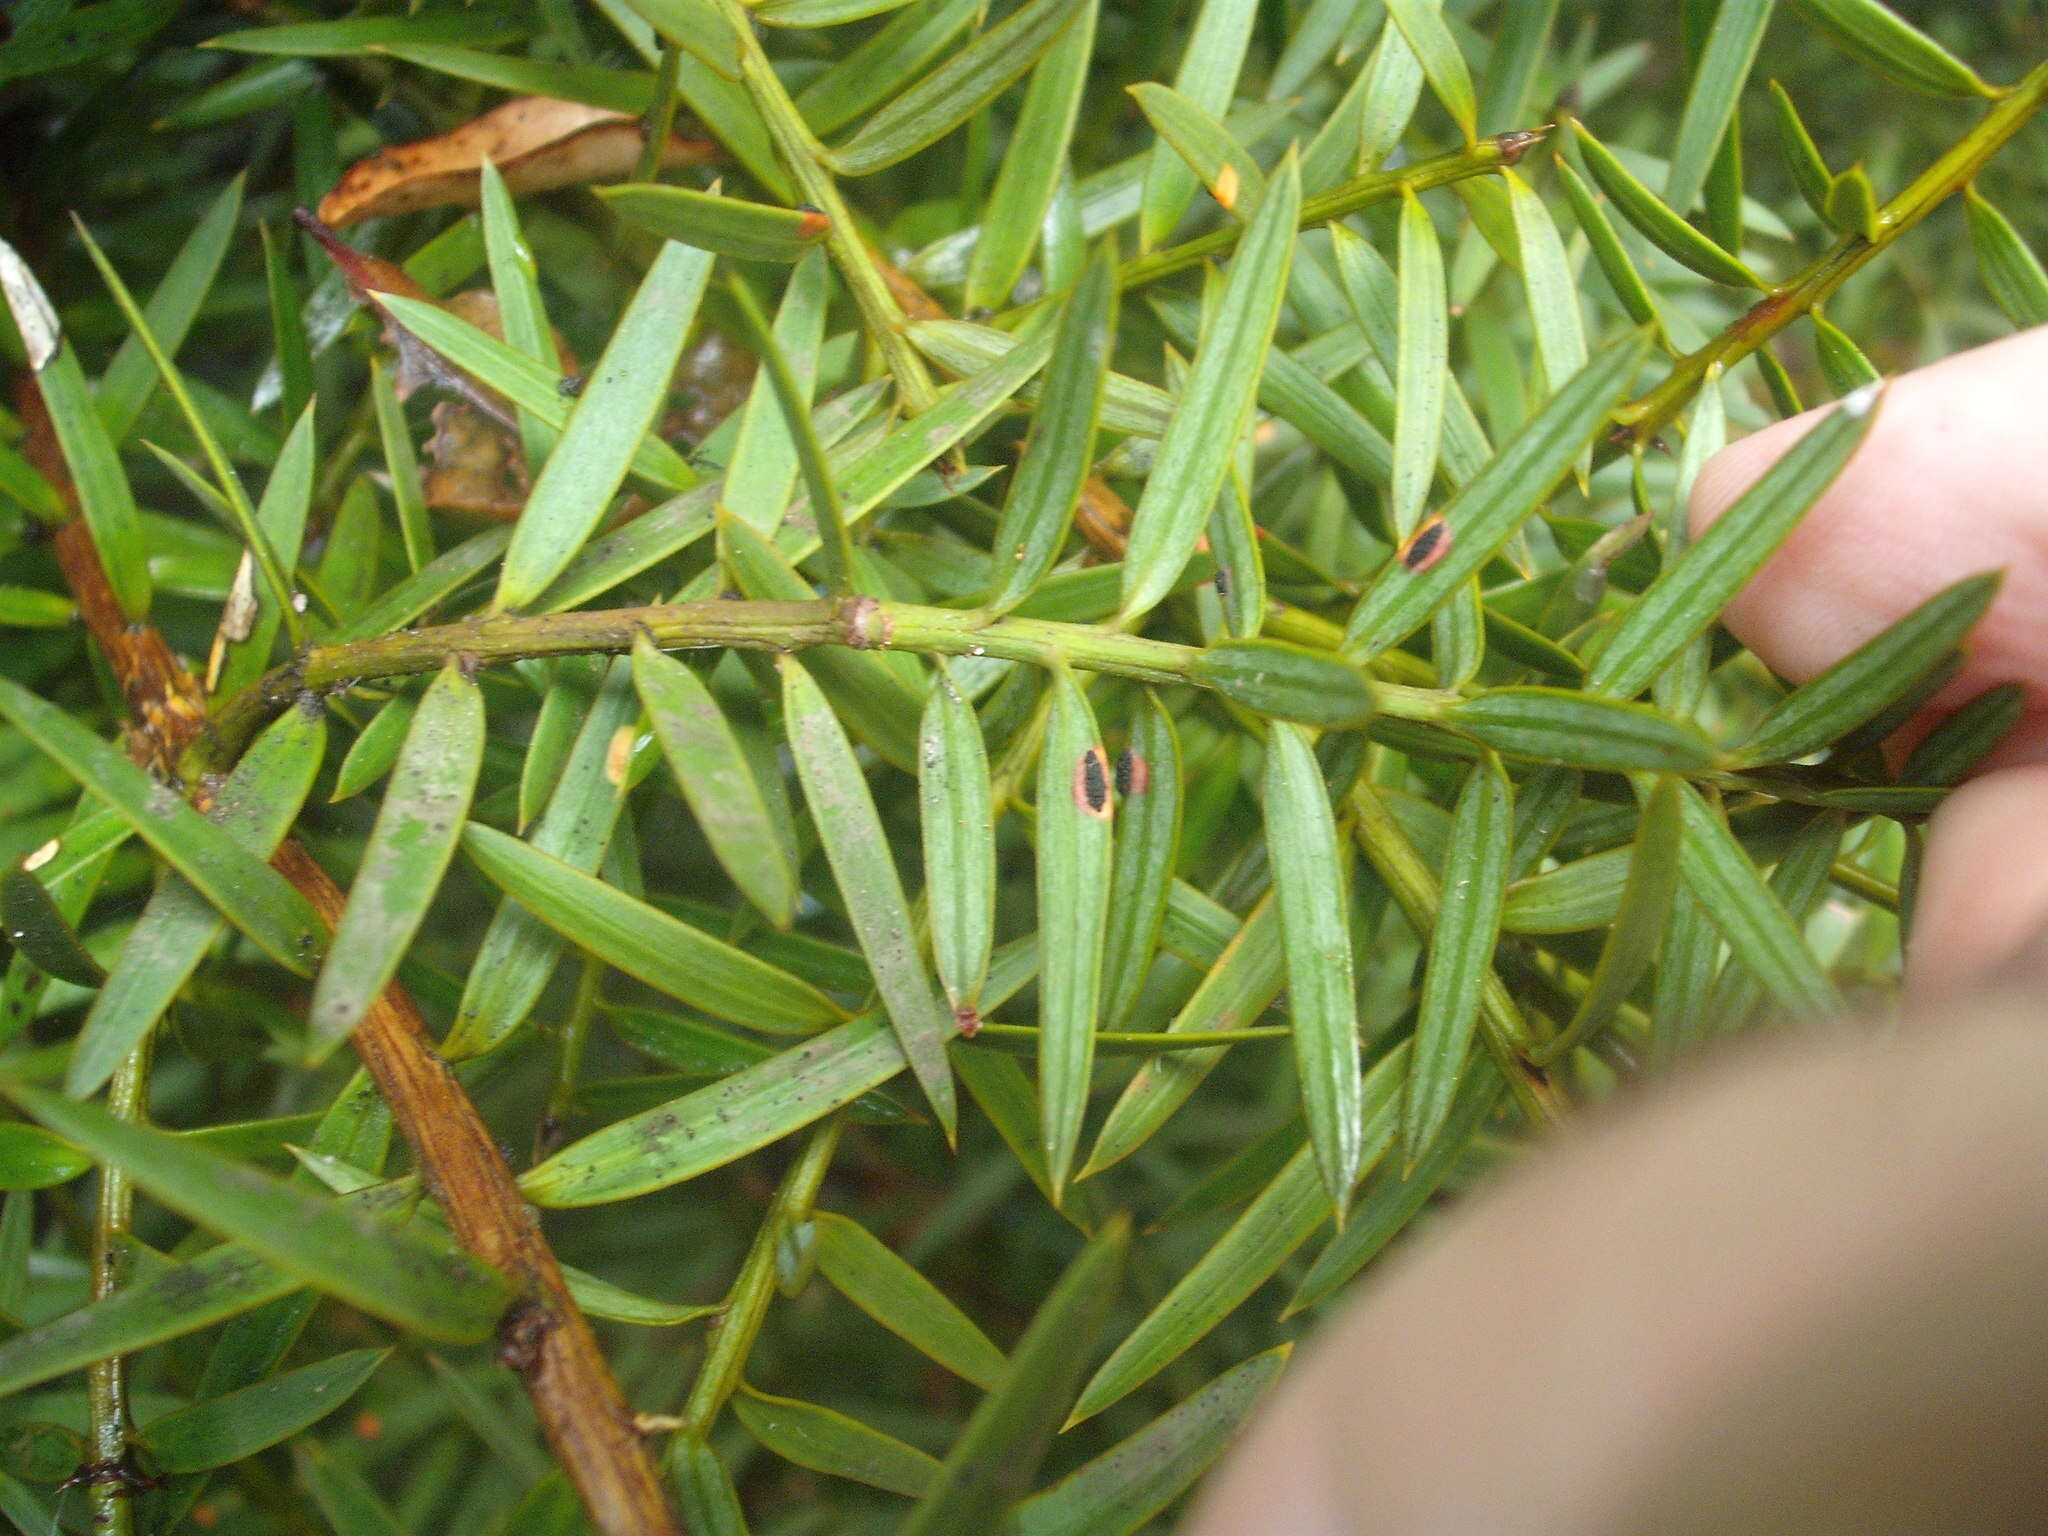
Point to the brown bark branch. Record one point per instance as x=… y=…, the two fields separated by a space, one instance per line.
x=545 y=1338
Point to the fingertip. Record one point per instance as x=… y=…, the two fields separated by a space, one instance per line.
x=1983 y=891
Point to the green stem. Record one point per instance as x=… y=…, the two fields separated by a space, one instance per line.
x=106 y=1381
x=804 y=155
x=1639 y=422
x=1488 y=155
x=859 y=622
x=746 y=1304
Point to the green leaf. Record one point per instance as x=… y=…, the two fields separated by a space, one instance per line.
x=1148 y=782
x=912 y=39
x=248 y=892
x=2011 y=269
x=228 y=1428
x=1206 y=79
x=1959 y=743
x=1074 y=794
x=1864 y=682
x=1749 y=914
x=125 y=387
x=1286 y=682
x=827 y=1441
x=612 y=415
x=1717 y=79
x=255 y=808
x=1124 y=1487
x=1219 y=162
x=870 y=1275
x=807 y=14
x=699 y=26
x=375 y=749
x=993 y=1460
x=1311 y=877
x=104 y=499
x=1277 y=1222
x=957 y=817
x=1235 y=991
x=346 y=1502
x=1842 y=363
x=728 y=226
x=1399 y=1190
x=1656 y=222
x=519 y=951
x=406 y=1275
x=705 y=1490
x=712 y=772
x=956 y=90
x=1640 y=921
x=1851 y=204
x=1485 y=513
x=31 y=1158
x=530 y=384
x=288 y=327
x=959 y=346
x=599 y=1298
x=1423 y=367
x=1039 y=145
x=1047 y=486
x=857 y=848
x=615 y=90
x=523 y=315
x=1799 y=881
x=1693 y=589
x=1474 y=886
x=709 y=1128
x=1391 y=86
x=645 y=943
x=870 y=694
x=1585 y=893
x=1630 y=291
x=763 y=469
x=1422 y=25
x=1557 y=725
x=1809 y=172
x=430 y=585
x=1216 y=406
x=1877 y=36
x=1552 y=286
x=405 y=858
x=32 y=923
x=360 y=34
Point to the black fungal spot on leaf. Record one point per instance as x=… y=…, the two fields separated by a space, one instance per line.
x=1091 y=783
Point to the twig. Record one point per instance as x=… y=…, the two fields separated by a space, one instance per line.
x=1639 y=422
x=545 y=1338
x=800 y=151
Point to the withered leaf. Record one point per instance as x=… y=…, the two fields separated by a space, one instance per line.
x=367 y=277
x=537 y=143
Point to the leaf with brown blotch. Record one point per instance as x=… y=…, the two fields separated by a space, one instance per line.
x=537 y=143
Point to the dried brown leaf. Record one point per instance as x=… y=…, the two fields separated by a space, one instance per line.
x=537 y=143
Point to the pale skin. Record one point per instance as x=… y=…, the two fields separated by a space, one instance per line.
x=1804 y=1288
